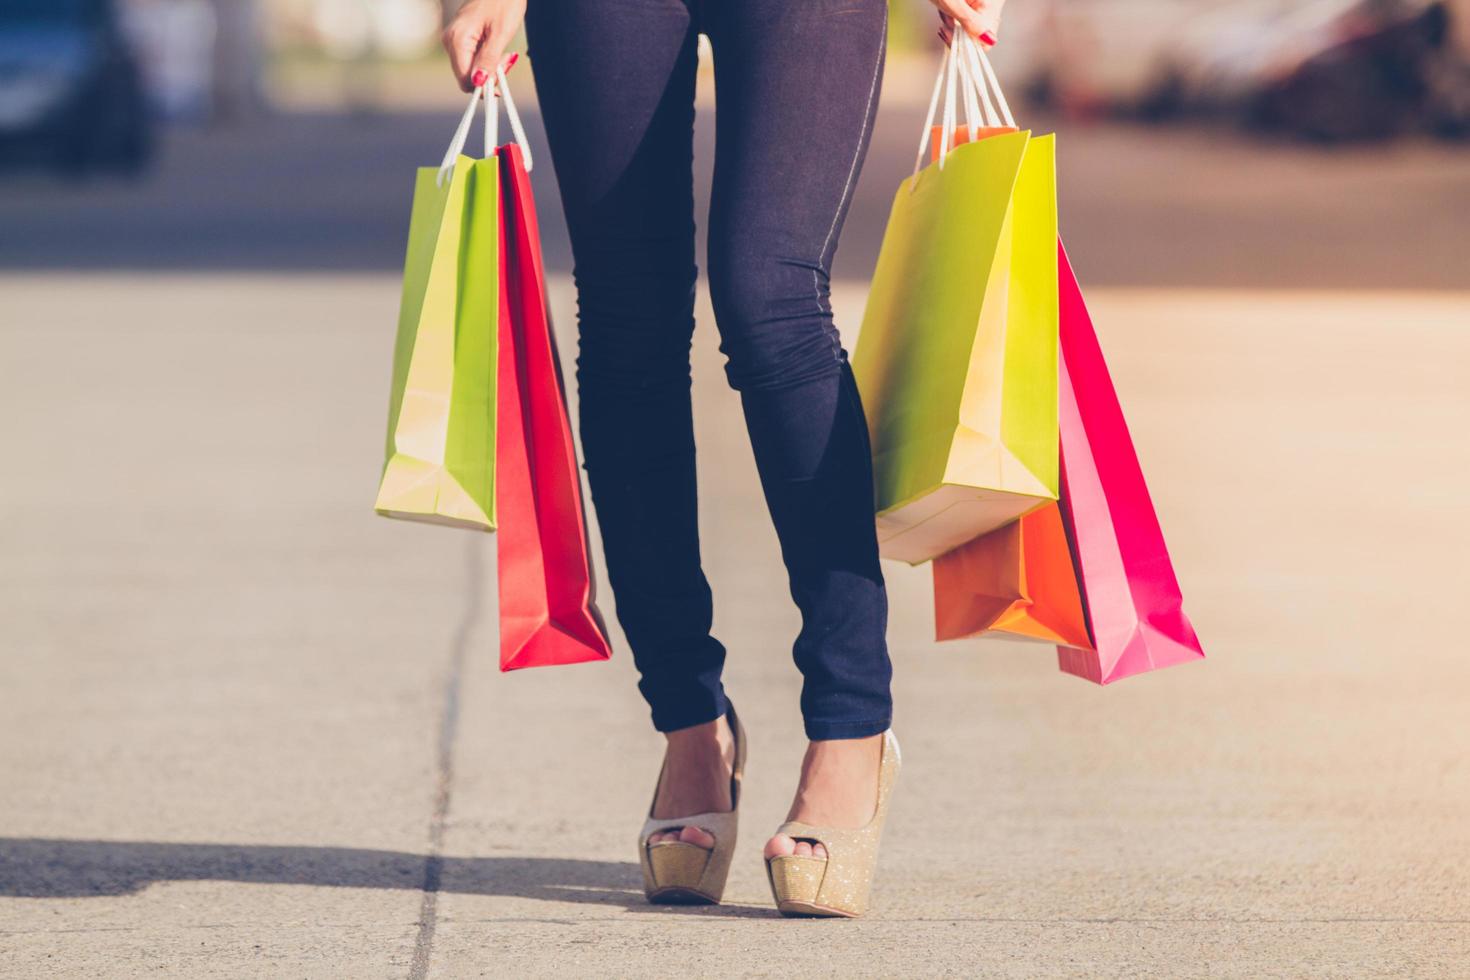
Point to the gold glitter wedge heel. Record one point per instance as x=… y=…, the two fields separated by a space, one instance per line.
x=837 y=885
x=676 y=873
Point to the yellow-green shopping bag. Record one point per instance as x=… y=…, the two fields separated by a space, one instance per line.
x=957 y=358
x=440 y=464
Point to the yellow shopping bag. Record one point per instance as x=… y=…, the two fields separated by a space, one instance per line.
x=440 y=465
x=957 y=358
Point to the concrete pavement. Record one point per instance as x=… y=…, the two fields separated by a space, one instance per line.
x=250 y=729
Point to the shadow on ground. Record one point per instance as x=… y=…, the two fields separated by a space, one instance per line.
x=43 y=868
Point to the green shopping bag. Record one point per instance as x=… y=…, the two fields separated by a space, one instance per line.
x=957 y=358
x=440 y=464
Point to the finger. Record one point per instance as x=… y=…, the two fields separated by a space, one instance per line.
x=970 y=21
x=990 y=28
x=461 y=41
x=507 y=63
x=490 y=54
x=946 y=28
x=988 y=19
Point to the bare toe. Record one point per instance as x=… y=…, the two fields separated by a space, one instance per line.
x=803 y=849
x=779 y=846
x=818 y=851
x=697 y=836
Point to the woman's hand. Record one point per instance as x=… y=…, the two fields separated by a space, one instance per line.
x=979 y=18
x=477 y=37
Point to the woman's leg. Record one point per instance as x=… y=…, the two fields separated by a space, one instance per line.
x=797 y=91
x=616 y=84
x=797 y=87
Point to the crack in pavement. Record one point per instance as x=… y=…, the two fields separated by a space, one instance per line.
x=423 y=946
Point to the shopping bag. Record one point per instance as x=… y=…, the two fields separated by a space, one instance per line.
x=440 y=463
x=548 y=613
x=957 y=357
x=962 y=134
x=1134 y=607
x=478 y=431
x=1018 y=582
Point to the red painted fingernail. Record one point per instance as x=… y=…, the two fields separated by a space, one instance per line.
x=511 y=62
x=478 y=78
x=987 y=38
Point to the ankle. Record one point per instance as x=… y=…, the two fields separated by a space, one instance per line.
x=838 y=783
x=843 y=751
x=712 y=736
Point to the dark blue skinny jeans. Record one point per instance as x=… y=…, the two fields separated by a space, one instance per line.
x=797 y=88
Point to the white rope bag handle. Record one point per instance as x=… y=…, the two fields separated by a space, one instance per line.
x=491 y=97
x=986 y=83
x=965 y=78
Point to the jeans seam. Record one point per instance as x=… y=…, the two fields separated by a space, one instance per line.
x=852 y=170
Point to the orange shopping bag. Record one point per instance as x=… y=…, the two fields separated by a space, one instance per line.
x=961 y=134
x=1017 y=580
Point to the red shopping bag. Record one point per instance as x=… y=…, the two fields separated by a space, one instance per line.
x=1134 y=608
x=547 y=604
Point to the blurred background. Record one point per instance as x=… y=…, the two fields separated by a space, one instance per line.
x=249 y=728
x=166 y=133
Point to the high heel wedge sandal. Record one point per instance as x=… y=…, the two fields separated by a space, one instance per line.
x=676 y=873
x=837 y=885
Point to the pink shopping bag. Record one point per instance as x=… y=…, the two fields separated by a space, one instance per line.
x=1130 y=593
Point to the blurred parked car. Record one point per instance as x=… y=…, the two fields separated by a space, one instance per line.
x=70 y=89
x=1394 y=73
x=174 y=43
x=1324 y=69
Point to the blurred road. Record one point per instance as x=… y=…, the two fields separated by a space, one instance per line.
x=247 y=728
x=1140 y=206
